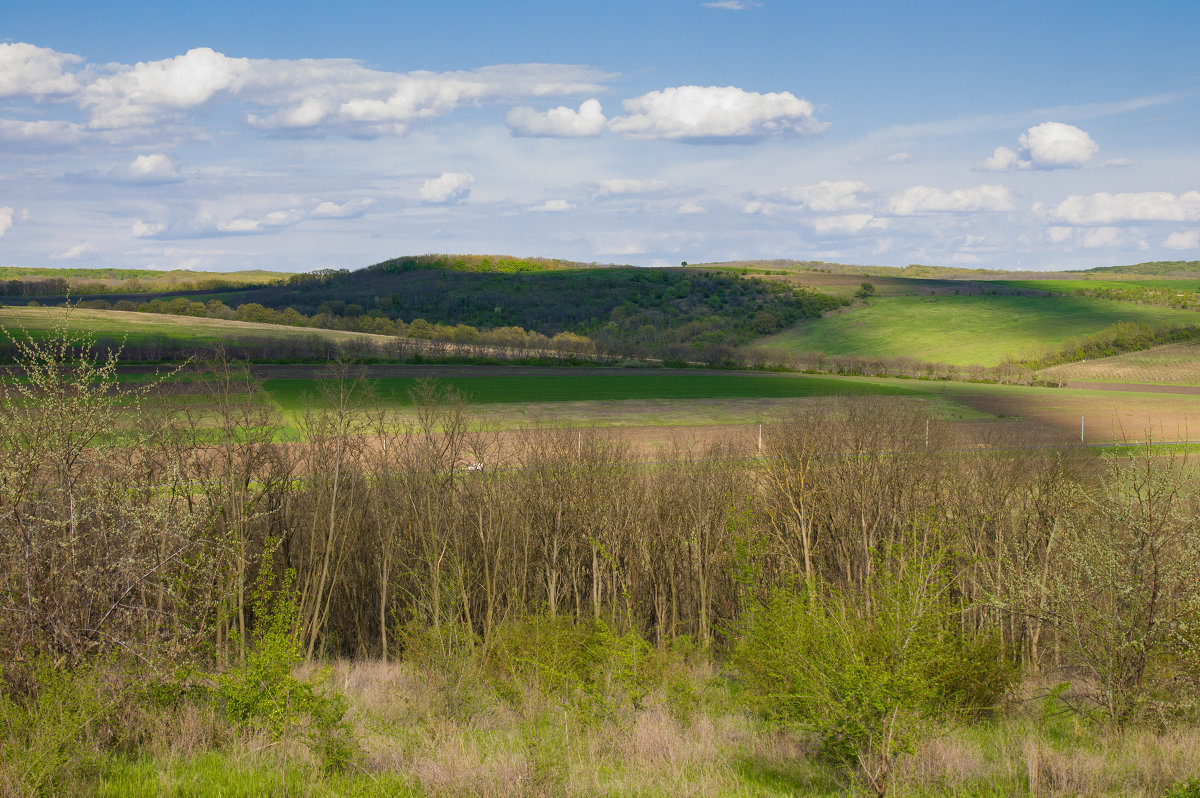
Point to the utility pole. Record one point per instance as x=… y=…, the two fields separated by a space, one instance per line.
x=1081 y=430
x=926 y=433
x=760 y=438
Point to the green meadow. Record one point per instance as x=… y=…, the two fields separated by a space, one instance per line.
x=965 y=330
x=142 y=326
x=290 y=392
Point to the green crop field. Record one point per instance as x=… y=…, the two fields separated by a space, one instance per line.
x=965 y=330
x=562 y=386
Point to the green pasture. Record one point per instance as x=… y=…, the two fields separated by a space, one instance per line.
x=135 y=326
x=964 y=330
x=290 y=393
x=1077 y=286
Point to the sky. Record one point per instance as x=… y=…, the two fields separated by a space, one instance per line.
x=303 y=135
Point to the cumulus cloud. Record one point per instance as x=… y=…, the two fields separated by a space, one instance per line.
x=1101 y=237
x=714 y=113
x=347 y=210
x=555 y=206
x=899 y=157
x=624 y=186
x=148 y=170
x=1059 y=235
x=6 y=220
x=688 y=208
x=1179 y=240
x=826 y=196
x=31 y=71
x=449 y=188
x=560 y=122
x=40 y=134
x=269 y=221
x=845 y=224
x=143 y=229
x=297 y=95
x=77 y=251
x=925 y=199
x=1050 y=145
x=1150 y=206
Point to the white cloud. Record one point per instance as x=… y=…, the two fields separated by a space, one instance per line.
x=6 y=220
x=40 y=134
x=555 y=206
x=688 y=208
x=826 y=196
x=714 y=113
x=1183 y=240
x=449 y=188
x=347 y=210
x=561 y=122
x=28 y=70
x=1150 y=206
x=1102 y=237
x=756 y=207
x=1059 y=235
x=623 y=186
x=845 y=224
x=925 y=199
x=303 y=95
x=77 y=251
x=137 y=95
x=732 y=5
x=899 y=157
x=1050 y=145
x=1002 y=160
x=146 y=229
x=148 y=170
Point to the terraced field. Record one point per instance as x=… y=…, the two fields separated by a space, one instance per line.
x=964 y=330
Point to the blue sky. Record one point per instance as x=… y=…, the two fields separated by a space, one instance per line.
x=302 y=135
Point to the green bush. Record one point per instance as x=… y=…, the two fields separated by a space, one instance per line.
x=868 y=673
x=587 y=665
x=264 y=692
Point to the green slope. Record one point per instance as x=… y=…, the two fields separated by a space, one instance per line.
x=962 y=330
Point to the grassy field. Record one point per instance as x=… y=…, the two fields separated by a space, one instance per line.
x=1077 y=286
x=964 y=330
x=289 y=393
x=134 y=326
x=1171 y=364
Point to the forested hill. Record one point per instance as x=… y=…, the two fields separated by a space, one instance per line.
x=651 y=307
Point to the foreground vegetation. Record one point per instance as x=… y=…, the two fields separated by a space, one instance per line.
x=410 y=604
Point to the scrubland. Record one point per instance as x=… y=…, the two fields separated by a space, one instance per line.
x=188 y=607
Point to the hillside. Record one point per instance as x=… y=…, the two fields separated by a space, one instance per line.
x=965 y=330
x=680 y=312
x=1171 y=364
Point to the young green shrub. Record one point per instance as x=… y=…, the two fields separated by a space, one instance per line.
x=586 y=664
x=870 y=673
x=265 y=694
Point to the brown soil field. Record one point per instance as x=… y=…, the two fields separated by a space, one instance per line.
x=1107 y=416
